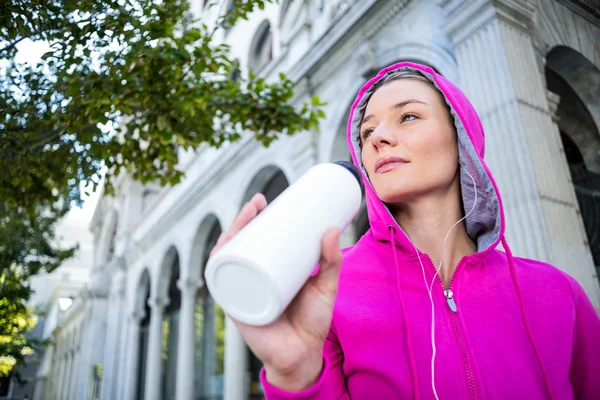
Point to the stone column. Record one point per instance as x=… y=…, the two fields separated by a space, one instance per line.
x=124 y=358
x=133 y=366
x=154 y=367
x=112 y=353
x=236 y=363
x=109 y=366
x=499 y=72
x=186 y=366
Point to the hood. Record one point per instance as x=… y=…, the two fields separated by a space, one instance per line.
x=485 y=225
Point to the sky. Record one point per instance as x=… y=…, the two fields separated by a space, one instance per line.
x=31 y=52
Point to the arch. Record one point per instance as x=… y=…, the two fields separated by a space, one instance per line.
x=203 y=242
x=284 y=8
x=261 y=47
x=107 y=237
x=340 y=151
x=169 y=260
x=270 y=181
x=227 y=7
x=285 y=14
x=580 y=73
x=167 y=288
x=142 y=311
x=142 y=293
x=209 y=319
x=576 y=81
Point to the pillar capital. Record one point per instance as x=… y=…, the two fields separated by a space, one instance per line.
x=465 y=17
x=158 y=303
x=137 y=315
x=189 y=285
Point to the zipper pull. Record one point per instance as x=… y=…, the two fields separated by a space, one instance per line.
x=450 y=300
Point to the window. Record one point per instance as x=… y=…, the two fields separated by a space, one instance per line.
x=96 y=382
x=285 y=7
x=170 y=337
x=210 y=336
x=4 y=385
x=261 y=51
x=227 y=11
x=235 y=73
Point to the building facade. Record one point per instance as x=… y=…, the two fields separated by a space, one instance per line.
x=53 y=295
x=149 y=328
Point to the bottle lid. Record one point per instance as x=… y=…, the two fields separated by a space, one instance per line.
x=352 y=168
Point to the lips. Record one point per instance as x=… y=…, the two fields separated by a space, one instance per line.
x=386 y=164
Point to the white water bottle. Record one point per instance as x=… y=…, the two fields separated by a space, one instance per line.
x=255 y=275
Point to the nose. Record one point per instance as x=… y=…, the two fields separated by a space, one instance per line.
x=383 y=136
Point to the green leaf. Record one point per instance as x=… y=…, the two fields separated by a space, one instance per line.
x=163 y=123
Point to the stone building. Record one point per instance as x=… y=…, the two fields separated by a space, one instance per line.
x=54 y=294
x=530 y=67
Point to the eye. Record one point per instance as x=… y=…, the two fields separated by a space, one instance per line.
x=408 y=117
x=366 y=133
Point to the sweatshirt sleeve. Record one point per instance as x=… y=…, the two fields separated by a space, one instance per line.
x=585 y=363
x=330 y=385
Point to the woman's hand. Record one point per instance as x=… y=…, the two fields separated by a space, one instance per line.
x=291 y=347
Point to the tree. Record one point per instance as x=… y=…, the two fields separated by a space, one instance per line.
x=26 y=248
x=124 y=86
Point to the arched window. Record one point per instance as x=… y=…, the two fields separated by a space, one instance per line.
x=228 y=9
x=285 y=7
x=113 y=237
x=579 y=132
x=261 y=50
x=235 y=73
x=270 y=181
x=210 y=334
x=143 y=336
x=170 y=339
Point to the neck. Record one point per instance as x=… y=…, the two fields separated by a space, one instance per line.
x=427 y=222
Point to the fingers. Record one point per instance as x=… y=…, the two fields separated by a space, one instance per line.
x=331 y=259
x=330 y=247
x=247 y=214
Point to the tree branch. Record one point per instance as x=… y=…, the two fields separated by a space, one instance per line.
x=10 y=46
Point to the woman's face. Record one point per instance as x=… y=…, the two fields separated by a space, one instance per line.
x=409 y=146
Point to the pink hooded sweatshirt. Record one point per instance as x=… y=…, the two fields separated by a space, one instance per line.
x=507 y=328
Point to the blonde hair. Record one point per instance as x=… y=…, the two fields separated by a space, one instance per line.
x=404 y=74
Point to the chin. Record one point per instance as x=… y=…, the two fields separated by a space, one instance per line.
x=397 y=192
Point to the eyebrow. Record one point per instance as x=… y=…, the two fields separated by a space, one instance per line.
x=394 y=107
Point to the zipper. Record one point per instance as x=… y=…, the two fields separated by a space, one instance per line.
x=451 y=303
x=452 y=309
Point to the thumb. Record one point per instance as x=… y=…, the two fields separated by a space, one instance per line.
x=326 y=281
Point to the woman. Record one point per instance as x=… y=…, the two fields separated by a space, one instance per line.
x=426 y=306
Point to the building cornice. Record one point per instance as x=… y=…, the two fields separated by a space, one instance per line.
x=322 y=48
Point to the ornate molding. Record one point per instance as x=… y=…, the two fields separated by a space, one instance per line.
x=321 y=48
x=366 y=58
x=99 y=285
x=465 y=17
x=353 y=45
